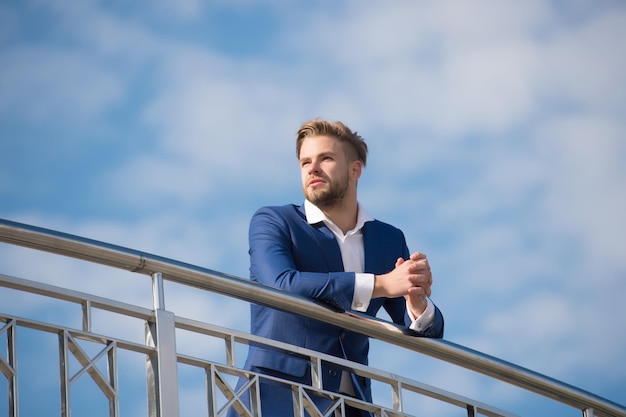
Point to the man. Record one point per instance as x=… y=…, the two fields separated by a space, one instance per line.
x=332 y=251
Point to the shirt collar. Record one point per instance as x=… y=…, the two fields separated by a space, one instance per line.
x=315 y=215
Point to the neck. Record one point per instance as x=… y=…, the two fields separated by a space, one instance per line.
x=344 y=214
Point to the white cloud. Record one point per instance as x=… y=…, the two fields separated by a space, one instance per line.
x=585 y=173
x=539 y=325
x=45 y=85
x=445 y=68
x=583 y=65
x=183 y=10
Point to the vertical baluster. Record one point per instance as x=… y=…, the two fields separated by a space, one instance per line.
x=114 y=402
x=162 y=372
x=64 y=374
x=86 y=305
x=9 y=368
x=396 y=395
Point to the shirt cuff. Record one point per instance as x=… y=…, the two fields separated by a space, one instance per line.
x=427 y=318
x=363 y=288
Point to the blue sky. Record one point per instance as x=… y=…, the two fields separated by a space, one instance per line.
x=496 y=133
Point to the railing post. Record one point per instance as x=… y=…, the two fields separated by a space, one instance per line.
x=64 y=370
x=158 y=293
x=161 y=366
x=9 y=367
x=396 y=395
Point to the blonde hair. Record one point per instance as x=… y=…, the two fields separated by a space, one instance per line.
x=357 y=148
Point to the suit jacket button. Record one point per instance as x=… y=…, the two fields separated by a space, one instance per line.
x=332 y=372
x=343 y=335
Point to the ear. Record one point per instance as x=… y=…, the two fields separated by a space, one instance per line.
x=355 y=169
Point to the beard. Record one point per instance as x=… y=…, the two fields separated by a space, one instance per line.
x=332 y=195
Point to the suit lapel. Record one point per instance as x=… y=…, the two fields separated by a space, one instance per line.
x=371 y=246
x=327 y=243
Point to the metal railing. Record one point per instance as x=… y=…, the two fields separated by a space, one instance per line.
x=162 y=357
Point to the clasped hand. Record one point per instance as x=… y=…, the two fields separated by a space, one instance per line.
x=410 y=278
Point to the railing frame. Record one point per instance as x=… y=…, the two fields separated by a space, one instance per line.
x=160 y=268
x=160 y=399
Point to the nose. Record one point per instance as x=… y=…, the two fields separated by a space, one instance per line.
x=314 y=167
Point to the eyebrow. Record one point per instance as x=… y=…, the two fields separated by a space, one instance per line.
x=321 y=154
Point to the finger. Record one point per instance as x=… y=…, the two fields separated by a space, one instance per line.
x=422 y=280
x=419 y=291
x=416 y=256
x=421 y=264
x=425 y=276
x=421 y=277
x=399 y=262
x=428 y=277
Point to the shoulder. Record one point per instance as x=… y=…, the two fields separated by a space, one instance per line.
x=380 y=226
x=279 y=215
x=277 y=221
x=382 y=231
x=287 y=210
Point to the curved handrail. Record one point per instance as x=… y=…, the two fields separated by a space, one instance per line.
x=206 y=279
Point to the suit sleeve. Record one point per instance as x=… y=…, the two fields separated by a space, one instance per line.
x=396 y=308
x=435 y=330
x=276 y=251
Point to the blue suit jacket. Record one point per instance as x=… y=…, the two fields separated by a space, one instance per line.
x=288 y=253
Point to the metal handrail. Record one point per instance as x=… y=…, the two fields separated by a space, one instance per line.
x=243 y=289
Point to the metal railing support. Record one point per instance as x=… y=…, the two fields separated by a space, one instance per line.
x=161 y=366
x=64 y=371
x=9 y=367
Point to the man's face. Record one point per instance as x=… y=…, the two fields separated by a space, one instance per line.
x=325 y=171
